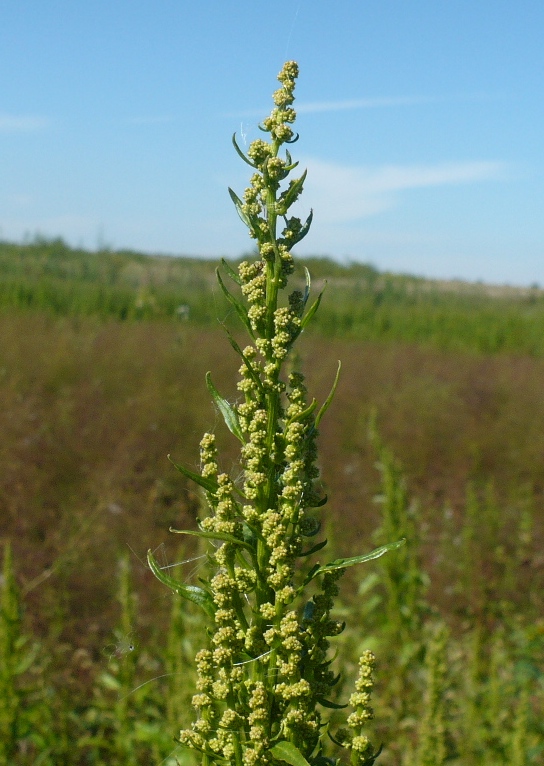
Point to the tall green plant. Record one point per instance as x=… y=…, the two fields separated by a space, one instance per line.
x=10 y=639
x=25 y=719
x=432 y=749
x=265 y=678
x=404 y=578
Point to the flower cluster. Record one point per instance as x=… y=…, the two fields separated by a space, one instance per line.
x=362 y=751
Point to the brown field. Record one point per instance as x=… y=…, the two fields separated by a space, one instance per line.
x=92 y=408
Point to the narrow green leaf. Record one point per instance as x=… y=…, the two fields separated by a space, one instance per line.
x=329 y=704
x=238 y=306
x=311 y=311
x=308 y=285
x=229 y=415
x=333 y=738
x=322 y=502
x=291 y=166
x=230 y=271
x=304 y=230
x=240 y=152
x=330 y=397
x=310 y=576
x=210 y=485
x=316 y=548
x=191 y=592
x=291 y=194
x=286 y=751
x=238 y=205
x=375 y=554
x=213 y=536
x=304 y=414
x=246 y=361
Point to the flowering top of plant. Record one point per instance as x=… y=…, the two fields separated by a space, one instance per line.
x=266 y=675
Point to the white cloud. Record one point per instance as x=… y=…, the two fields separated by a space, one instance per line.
x=10 y=123
x=377 y=102
x=343 y=193
x=381 y=102
x=360 y=103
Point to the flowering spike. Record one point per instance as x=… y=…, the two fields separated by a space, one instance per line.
x=264 y=680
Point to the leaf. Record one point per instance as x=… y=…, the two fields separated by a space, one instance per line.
x=310 y=576
x=375 y=554
x=303 y=231
x=238 y=205
x=316 y=548
x=229 y=415
x=294 y=139
x=240 y=152
x=213 y=536
x=286 y=751
x=246 y=361
x=238 y=306
x=210 y=485
x=304 y=414
x=192 y=593
x=311 y=311
x=321 y=502
x=330 y=397
x=230 y=271
x=329 y=704
x=308 y=286
x=295 y=188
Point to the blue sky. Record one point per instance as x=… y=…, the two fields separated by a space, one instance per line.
x=421 y=125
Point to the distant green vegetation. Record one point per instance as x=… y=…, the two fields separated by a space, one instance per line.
x=362 y=303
